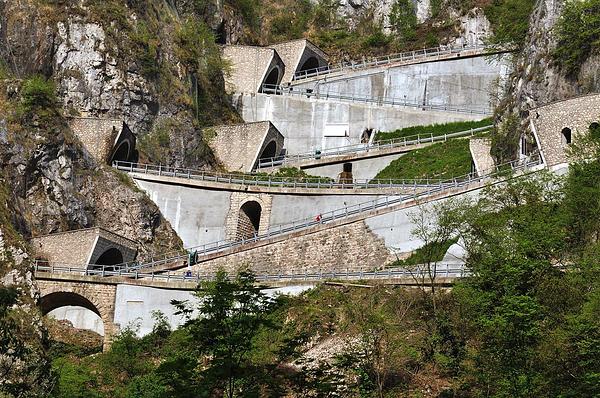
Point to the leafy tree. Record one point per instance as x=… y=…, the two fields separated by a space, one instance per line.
x=510 y=22
x=578 y=34
x=232 y=312
x=403 y=19
x=513 y=235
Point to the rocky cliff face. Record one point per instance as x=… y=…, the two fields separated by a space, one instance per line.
x=24 y=369
x=56 y=186
x=537 y=80
x=120 y=61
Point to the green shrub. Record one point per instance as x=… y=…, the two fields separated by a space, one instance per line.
x=403 y=19
x=75 y=380
x=510 y=21
x=38 y=93
x=578 y=34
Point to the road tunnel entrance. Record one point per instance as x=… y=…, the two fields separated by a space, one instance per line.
x=270 y=151
x=310 y=64
x=112 y=256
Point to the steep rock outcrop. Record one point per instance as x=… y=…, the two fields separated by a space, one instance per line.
x=537 y=79
x=114 y=60
x=24 y=367
x=55 y=185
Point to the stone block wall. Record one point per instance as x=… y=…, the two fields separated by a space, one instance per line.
x=346 y=247
x=81 y=247
x=97 y=135
x=548 y=122
x=101 y=296
x=234 y=221
x=249 y=67
x=72 y=248
x=239 y=146
x=480 y=152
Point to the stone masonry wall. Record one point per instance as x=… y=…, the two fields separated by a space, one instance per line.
x=81 y=246
x=239 y=146
x=249 y=67
x=233 y=217
x=480 y=152
x=72 y=248
x=102 y=296
x=97 y=135
x=294 y=53
x=548 y=121
x=347 y=247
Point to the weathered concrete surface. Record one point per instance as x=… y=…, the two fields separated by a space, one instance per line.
x=548 y=122
x=200 y=215
x=307 y=123
x=362 y=169
x=464 y=82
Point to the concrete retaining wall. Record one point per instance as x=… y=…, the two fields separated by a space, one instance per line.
x=464 y=82
x=305 y=122
x=203 y=216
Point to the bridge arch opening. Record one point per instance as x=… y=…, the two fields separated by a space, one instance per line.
x=566 y=136
x=249 y=220
x=75 y=308
x=272 y=79
x=310 y=64
x=122 y=154
x=270 y=151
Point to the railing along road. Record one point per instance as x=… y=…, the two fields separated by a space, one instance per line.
x=427 y=53
x=367 y=148
x=309 y=93
x=443 y=271
x=499 y=171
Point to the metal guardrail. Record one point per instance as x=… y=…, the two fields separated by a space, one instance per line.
x=309 y=93
x=368 y=148
x=339 y=214
x=196 y=277
x=426 y=53
x=273 y=181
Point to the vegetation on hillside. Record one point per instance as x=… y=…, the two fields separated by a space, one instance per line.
x=320 y=21
x=524 y=323
x=578 y=34
x=433 y=129
x=444 y=160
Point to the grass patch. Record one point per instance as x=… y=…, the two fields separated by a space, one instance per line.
x=444 y=160
x=435 y=129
